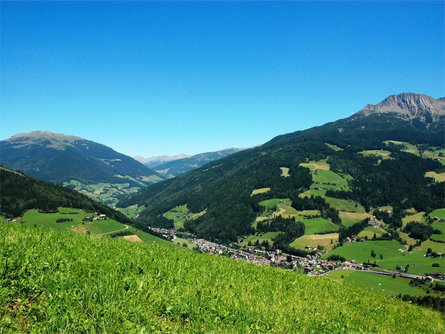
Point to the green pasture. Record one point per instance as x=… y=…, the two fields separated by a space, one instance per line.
x=351 y=218
x=326 y=240
x=316 y=165
x=318 y=225
x=267 y=236
x=49 y=220
x=334 y=147
x=392 y=256
x=370 y=231
x=345 y=205
x=417 y=217
x=375 y=282
x=439 y=213
x=384 y=154
x=180 y=214
x=269 y=204
x=259 y=191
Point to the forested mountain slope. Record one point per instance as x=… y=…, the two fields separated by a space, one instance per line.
x=230 y=189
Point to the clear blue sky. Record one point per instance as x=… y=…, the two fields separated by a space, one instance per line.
x=150 y=78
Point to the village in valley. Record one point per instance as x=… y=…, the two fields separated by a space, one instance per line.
x=312 y=265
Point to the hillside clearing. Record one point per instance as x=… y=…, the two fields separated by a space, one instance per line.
x=284 y=171
x=438 y=177
x=259 y=191
x=316 y=165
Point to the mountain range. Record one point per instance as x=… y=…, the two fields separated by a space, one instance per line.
x=152 y=162
x=86 y=166
x=177 y=167
x=381 y=153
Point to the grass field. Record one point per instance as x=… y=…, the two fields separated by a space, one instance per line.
x=326 y=240
x=438 y=237
x=417 y=217
x=48 y=221
x=438 y=177
x=316 y=165
x=259 y=191
x=107 y=193
x=370 y=231
x=379 y=283
x=318 y=225
x=313 y=192
x=439 y=213
x=184 y=243
x=132 y=211
x=268 y=236
x=284 y=171
x=351 y=218
x=334 y=147
x=437 y=247
x=439 y=226
x=345 y=205
x=180 y=214
x=392 y=257
x=269 y=204
x=384 y=154
x=329 y=177
x=60 y=282
x=407 y=238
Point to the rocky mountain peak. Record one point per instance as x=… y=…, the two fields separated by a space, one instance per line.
x=408 y=106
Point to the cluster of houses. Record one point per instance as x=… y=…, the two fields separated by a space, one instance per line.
x=312 y=265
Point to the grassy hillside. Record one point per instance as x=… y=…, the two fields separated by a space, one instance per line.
x=56 y=281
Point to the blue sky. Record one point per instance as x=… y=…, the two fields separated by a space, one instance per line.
x=151 y=78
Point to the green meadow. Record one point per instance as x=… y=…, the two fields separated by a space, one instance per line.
x=393 y=254
x=180 y=214
x=345 y=205
x=267 y=236
x=327 y=240
x=374 y=282
x=439 y=213
x=57 y=281
x=318 y=225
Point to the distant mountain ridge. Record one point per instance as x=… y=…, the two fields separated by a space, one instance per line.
x=61 y=158
x=152 y=162
x=180 y=166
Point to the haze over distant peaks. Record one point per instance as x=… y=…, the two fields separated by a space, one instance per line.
x=408 y=106
x=160 y=159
